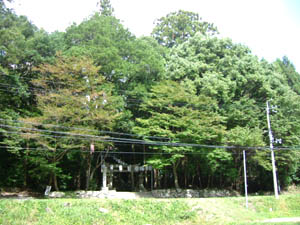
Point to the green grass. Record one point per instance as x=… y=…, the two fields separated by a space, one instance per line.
x=148 y=211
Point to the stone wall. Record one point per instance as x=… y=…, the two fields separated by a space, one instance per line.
x=162 y=193
x=190 y=193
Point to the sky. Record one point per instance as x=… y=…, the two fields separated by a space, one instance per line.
x=270 y=28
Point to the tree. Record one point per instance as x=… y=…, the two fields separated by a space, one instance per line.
x=104 y=40
x=105 y=8
x=16 y=100
x=286 y=67
x=178 y=114
x=72 y=94
x=131 y=64
x=177 y=27
x=125 y=60
x=3 y=8
x=241 y=84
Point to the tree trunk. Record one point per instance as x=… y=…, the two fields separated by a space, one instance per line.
x=50 y=180
x=199 y=176
x=155 y=176
x=208 y=181
x=239 y=180
x=25 y=183
x=88 y=172
x=78 y=180
x=132 y=179
x=99 y=162
x=175 y=176
x=165 y=179
x=55 y=182
x=185 y=179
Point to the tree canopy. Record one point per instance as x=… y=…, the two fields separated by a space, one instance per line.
x=177 y=27
x=181 y=100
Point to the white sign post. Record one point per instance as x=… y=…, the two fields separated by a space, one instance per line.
x=245 y=178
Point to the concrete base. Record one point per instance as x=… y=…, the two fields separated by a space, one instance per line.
x=104 y=189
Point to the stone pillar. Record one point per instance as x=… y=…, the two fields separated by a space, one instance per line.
x=141 y=182
x=110 y=180
x=104 y=178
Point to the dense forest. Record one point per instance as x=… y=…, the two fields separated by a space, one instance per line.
x=182 y=101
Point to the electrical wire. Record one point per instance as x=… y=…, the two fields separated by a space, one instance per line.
x=111 y=152
x=74 y=137
x=84 y=129
x=64 y=83
x=151 y=143
x=127 y=101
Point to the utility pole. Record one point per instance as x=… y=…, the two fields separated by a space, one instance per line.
x=272 y=152
x=245 y=178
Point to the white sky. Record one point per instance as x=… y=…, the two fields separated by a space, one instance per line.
x=270 y=28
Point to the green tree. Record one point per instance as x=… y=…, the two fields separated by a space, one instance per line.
x=72 y=94
x=131 y=64
x=286 y=67
x=173 y=112
x=177 y=27
x=17 y=57
x=106 y=8
x=241 y=84
x=125 y=60
x=104 y=40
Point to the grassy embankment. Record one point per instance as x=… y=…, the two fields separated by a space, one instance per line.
x=148 y=211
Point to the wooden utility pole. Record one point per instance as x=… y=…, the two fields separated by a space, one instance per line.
x=272 y=152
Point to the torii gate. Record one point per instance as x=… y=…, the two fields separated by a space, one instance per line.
x=121 y=168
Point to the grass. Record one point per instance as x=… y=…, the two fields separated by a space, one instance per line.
x=148 y=211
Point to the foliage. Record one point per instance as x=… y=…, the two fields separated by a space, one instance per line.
x=173 y=112
x=287 y=69
x=125 y=60
x=105 y=8
x=183 y=84
x=72 y=94
x=178 y=27
x=241 y=84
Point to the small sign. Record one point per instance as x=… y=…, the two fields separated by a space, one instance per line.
x=47 y=191
x=92 y=148
x=103 y=167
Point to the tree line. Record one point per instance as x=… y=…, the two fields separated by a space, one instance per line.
x=71 y=100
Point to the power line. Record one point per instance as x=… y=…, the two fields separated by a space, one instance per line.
x=151 y=143
x=111 y=152
x=57 y=82
x=84 y=129
x=81 y=137
x=132 y=101
x=169 y=144
x=68 y=85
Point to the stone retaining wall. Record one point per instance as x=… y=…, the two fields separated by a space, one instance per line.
x=162 y=193
x=190 y=193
